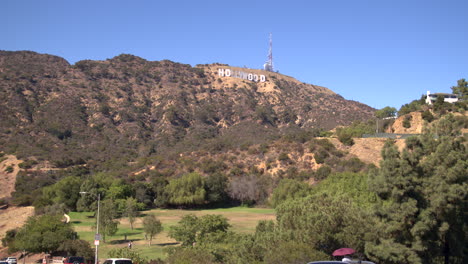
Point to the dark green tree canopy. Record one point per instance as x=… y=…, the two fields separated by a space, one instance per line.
x=424 y=190
x=43 y=234
x=386 y=112
x=461 y=89
x=187 y=190
x=191 y=229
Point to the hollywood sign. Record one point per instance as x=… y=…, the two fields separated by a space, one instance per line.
x=242 y=75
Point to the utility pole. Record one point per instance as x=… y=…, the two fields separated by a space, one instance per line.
x=97 y=237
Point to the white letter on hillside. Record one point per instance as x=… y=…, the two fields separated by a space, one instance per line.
x=221 y=72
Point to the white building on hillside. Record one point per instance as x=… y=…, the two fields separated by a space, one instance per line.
x=449 y=98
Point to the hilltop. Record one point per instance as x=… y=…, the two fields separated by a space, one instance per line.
x=127 y=108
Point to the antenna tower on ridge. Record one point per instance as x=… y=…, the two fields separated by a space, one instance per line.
x=268 y=66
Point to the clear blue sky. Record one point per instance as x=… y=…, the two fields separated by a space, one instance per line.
x=378 y=52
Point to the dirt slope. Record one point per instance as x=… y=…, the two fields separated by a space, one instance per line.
x=7 y=179
x=13 y=217
x=416 y=122
x=367 y=149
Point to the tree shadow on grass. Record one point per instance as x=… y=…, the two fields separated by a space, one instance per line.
x=167 y=244
x=121 y=241
x=76 y=222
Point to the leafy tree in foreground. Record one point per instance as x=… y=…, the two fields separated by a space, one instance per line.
x=184 y=255
x=151 y=226
x=348 y=186
x=43 y=234
x=77 y=247
x=425 y=193
x=288 y=189
x=324 y=223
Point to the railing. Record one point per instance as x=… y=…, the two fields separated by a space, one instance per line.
x=389 y=135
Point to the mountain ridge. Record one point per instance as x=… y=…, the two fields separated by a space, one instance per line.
x=128 y=104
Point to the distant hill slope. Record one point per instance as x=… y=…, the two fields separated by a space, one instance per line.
x=128 y=107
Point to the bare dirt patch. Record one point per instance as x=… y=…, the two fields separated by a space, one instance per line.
x=367 y=149
x=8 y=179
x=416 y=122
x=13 y=217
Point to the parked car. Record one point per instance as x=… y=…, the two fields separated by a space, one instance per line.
x=74 y=260
x=118 y=261
x=11 y=260
x=3 y=262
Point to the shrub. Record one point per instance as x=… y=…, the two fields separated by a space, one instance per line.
x=320 y=156
x=283 y=156
x=407 y=121
x=427 y=115
x=183 y=255
x=9 y=169
x=345 y=137
x=322 y=173
x=415 y=105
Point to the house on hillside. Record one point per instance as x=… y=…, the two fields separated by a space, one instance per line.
x=449 y=98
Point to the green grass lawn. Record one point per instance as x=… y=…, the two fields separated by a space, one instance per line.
x=242 y=219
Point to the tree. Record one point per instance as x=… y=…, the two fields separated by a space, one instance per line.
x=77 y=247
x=386 y=112
x=288 y=189
x=216 y=186
x=425 y=192
x=151 y=226
x=131 y=210
x=43 y=234
x=461 y=90
x=186 y=230
x=247 y=189
x=191 y=229
x=184 y=255
x=324 y=223
x=107 y=216
x=187 y=190
x=292 y=252
x=66 y=191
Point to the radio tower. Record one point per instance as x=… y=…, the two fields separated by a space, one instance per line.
x=268 y=66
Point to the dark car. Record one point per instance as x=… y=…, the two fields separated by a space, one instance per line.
x=341 y=262
x=74 y=260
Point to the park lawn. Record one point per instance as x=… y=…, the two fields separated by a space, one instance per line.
x=242 y=220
